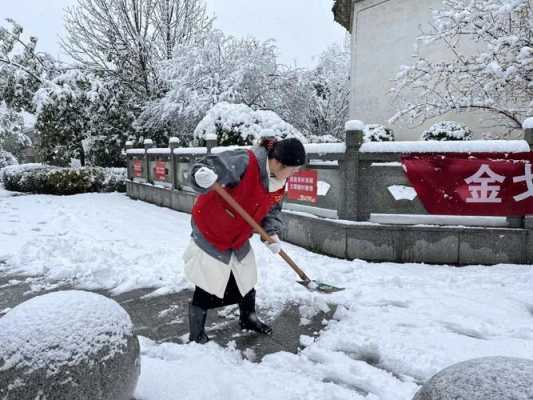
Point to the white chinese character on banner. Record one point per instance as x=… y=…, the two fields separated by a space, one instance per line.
x=483 y=191
x=528 y=178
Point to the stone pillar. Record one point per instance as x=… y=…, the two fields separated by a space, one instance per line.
x=148 y=144
x=349 y=169
x=129 y=145
x=172 y=144
x=528 y=219
x=518 y=222
x=528 y=132
x=211 y=141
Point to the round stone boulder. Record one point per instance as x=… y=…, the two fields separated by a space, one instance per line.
x=488 y=378
x=71 y=345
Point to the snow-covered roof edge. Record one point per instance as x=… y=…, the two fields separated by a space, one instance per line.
x=342 y=13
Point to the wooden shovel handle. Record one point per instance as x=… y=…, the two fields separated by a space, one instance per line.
x=264 y=235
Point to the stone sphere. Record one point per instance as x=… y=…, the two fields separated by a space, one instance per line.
x=73 y=345
x=488 y=378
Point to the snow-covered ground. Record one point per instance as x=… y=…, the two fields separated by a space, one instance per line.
x=395 y=325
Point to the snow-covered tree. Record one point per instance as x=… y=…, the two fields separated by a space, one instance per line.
x=377 y=133
x=447 y=130
x=125 y=39
x=81 y=116
x=22 y=69
x=12 y=135
x=238 y=124
x=62 y=118
x=111 y=112
x=214 y=69
x=316 y=101
x=488 y=64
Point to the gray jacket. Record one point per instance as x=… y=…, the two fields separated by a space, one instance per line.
x=230 y=167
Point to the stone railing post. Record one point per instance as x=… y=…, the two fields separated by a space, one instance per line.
x=210 y=141
x=519 y=222
x=173 y=142
x=129 y=145
x=528 y=219
x=528 y=132
x=148 y=144
x=349 y=167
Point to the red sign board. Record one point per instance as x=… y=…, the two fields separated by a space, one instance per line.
x=160 y=170
x=497 y=184
x=302 y=186
x=137 y=168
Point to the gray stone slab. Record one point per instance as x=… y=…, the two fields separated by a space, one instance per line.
x=328 y=238
x=373 y=243
x=297 y=229
x=492 y=246
x=427 y=245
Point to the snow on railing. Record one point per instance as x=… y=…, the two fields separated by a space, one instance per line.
x=452 y=146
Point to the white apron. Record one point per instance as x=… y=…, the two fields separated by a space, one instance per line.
x=212 y=275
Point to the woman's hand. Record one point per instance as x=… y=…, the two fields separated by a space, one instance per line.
x=275 y=247
x=205 y=177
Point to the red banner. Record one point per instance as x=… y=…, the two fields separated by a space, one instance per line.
x=497 y=184
x=137 y=168
x=302 y=186
x=160 y=170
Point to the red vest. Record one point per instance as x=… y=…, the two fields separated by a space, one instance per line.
x=220 y=224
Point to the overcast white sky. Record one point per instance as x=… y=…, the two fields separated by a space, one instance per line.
x=301 y=28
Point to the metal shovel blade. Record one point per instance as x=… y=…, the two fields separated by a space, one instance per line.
x=319 y=286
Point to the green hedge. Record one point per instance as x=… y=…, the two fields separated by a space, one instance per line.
x=45 y=179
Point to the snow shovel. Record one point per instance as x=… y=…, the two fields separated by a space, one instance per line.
x=306 y=281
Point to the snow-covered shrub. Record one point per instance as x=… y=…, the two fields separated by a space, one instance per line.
x=26 y=177
x=238 y=124
x=322 y=139
x=6 y=159
x=447 y=130
x=38 y=178
x=377 y=133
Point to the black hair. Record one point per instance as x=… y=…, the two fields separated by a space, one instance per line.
x=290 y=152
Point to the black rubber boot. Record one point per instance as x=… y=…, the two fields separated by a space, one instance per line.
x=197 y=317
x=249 y=319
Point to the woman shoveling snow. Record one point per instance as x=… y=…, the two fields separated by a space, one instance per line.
x=219 y=261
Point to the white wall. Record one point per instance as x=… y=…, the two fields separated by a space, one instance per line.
x=383 y=38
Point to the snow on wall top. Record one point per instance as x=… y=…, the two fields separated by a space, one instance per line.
x=354 y=125
x=450 y=146
x=528 y=123
x=322 y=148
x=61 y=328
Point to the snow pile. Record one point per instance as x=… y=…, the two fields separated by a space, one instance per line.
x=447 y=130
x=239 y=124
x=62 y=328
